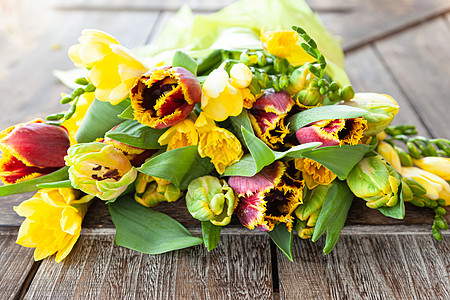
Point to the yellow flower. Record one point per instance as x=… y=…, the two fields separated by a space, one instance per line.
x=439 y=166
x=390 y=155
x=219 y=98
x=284 y=43
x=436 y=187
x=150 y=191
x=113 y=69
x=53 y=221
x=180 y=135
x=219 y=144
x=314 y=173
x=74 y=122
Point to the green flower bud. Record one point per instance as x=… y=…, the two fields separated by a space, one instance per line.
x=254 y=86
x=211 y=199
x=347 y=93
x=99 y=169
x=299 y=79
x=81 y=81
x=151 y=191
x=413 y=150
x=373 y=180
x=406 y=192
x=310 y=97
x=405 y=158
x=308 y=212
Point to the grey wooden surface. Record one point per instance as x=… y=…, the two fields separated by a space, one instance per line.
x=401 y=48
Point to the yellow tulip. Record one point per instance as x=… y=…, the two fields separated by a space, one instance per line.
x=113 y=69
x=439 y=166
x=436 y=187
x=53 y=221
x=219 y=98
x=285 y=43
x=390 y=155
x=314 y=173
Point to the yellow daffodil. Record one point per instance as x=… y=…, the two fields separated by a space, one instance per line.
x=285 y=43
x=314 y=173
x=439 y=166
x=72 y=125
x=180 y=135
x=99 y=169
x=219 y=98
x=436 y=187
x=112 y=68
x=217 y=143
x=53 y=221
x=390 y=155
x=31 y=150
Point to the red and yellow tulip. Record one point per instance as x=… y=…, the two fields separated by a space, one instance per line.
x=31 y=150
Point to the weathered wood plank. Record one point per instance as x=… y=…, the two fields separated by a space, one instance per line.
x=364 y=21
x=28 y=79
x=16 y=264
x=96 y=266
x=416 y=58
x=367 y=267
x=368 y=73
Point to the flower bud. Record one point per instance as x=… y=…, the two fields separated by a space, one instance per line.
x=382 y=110
x=150 y=191
x=99 y=169
x=436 y=187
x=439 y=166
x=309 y=211
x=311 y=96
x=31 y=150
x=299 y=79
x=390 y=155
x=211 y=199
x=373 y=180
x=241 y=75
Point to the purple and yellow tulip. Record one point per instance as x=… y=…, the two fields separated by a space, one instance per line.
x=267 y=117
x=267 y=198
x=164 y=96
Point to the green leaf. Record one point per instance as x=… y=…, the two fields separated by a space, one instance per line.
x=30 y=185
x=142 y=229
x=211 y=234
x=315 y=114
x=242 y=120
x=55 y=185
x=261 y=153
x=339 y=159
x=247 y=166
x=100 y=117
x=397 y=211
x=133 y=133
x=127 y=114
x=283 y=239
x=179 y=166
x=181 y=59
x=333 y=215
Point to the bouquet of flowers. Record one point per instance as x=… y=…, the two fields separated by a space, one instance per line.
x=235 y=114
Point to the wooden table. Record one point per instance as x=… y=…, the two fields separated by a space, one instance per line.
x=397 y=47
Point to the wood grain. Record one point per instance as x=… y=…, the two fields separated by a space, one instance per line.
x=96 y=266
x=16 y=264
x=368 y=73
x=28 y=88
x=364 y=21
x=367 y=267
x=415 y=57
